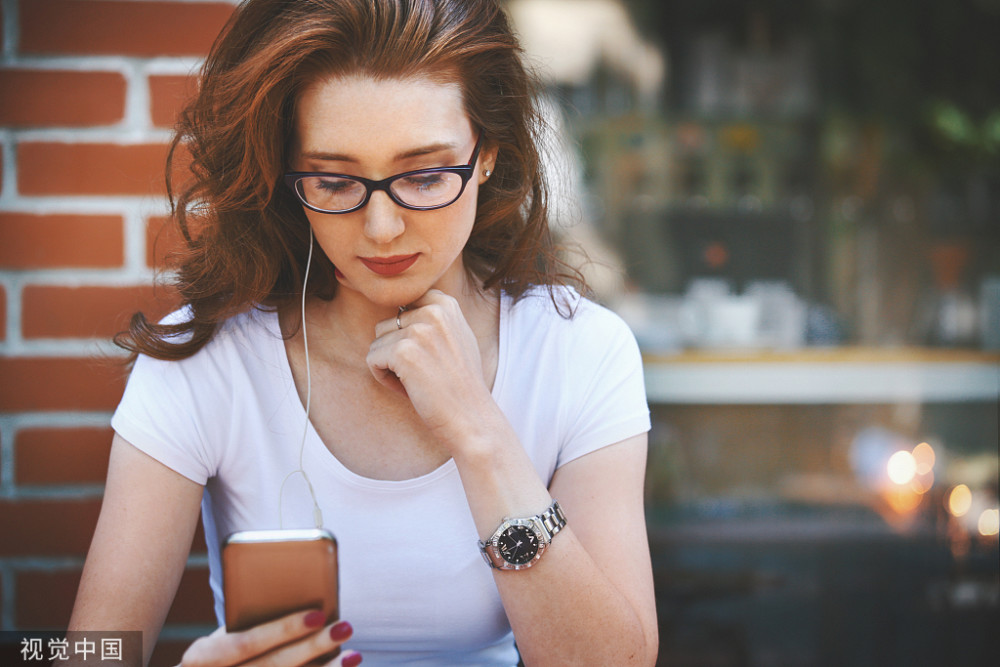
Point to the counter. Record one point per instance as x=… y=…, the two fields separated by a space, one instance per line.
x=846 y=375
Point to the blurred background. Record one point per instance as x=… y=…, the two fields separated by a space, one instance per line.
x=794 y=204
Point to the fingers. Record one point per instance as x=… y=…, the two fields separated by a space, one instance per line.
x=409 y=312
x=391 y=348
x=347 y=659
x=292 y=640
x=301 y=652
x=432 y=357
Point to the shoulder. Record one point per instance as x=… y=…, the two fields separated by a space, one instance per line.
x=241 y=362
x=579 y=376
x=238 y=341
x=244 y=327
x=562 y=327
x=565 y=310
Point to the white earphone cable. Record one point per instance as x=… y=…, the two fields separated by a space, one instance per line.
x=317 y=512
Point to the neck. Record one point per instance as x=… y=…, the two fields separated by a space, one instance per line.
x=344 y=327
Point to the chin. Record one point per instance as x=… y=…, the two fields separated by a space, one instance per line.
x=391 y=296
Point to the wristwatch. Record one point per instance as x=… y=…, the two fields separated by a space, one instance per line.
x=518 y=543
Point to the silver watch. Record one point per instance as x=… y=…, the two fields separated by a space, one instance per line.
x=518 y=543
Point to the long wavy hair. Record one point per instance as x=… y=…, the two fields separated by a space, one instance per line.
x=246 y=237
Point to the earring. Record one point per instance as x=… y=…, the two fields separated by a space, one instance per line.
x=487 y=173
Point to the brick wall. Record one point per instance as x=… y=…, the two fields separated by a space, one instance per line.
x=88 y=92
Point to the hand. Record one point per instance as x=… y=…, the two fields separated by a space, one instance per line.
x=434 y=359
x=298 y=639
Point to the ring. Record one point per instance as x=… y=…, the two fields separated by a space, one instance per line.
x=399 y=325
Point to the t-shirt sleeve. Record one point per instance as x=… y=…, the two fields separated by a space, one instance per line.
x=607 y=383
x=159 y=414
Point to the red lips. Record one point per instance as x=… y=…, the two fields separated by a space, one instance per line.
x=389 y=266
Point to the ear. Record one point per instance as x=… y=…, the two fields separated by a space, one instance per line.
x=487 y=162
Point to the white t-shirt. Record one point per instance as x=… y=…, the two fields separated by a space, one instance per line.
x=413 y=583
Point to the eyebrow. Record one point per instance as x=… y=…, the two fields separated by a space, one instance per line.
x=415 y=152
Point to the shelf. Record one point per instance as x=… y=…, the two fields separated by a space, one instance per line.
x=823 y=376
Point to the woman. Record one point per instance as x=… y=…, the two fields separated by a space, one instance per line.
x=444 y=380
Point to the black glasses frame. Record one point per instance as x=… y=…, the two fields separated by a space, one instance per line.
x=292 y=179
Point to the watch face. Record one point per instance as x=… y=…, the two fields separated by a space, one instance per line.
x=518 y=545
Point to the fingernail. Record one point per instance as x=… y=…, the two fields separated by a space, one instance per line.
x=352 y=660
x=340 y=631
x=315 y=619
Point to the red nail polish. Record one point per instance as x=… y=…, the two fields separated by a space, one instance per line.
x=352 y=660
x=315 y=619
x=340 y=631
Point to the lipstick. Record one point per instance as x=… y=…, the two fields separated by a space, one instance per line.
x=389 y=266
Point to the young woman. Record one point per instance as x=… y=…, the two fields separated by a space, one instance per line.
x=371 y=297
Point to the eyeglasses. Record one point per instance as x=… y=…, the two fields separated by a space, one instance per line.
x=419 y=190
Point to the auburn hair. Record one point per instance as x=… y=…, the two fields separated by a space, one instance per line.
x=245 y=235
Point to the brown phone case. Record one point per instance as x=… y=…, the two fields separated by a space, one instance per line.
x=267 y=574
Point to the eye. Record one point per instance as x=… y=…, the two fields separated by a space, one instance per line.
x=334 y=185
x=423 y=182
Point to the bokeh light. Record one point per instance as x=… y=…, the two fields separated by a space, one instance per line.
x=924 y=457
x=959 y=500
x=989 y=522
x=901 y=467
x=902 y=500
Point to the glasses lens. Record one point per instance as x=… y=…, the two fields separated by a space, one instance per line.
x=330 y=193
x=435 y=188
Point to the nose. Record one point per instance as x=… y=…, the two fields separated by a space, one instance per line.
x=383 y=218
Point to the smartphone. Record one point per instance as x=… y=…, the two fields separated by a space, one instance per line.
x=267 y=574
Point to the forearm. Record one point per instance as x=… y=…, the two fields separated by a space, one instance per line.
x=113 y=596
x=565 y=609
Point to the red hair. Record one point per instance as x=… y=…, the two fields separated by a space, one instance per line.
x=246 y=237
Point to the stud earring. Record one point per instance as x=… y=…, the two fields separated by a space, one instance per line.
x=487 y=173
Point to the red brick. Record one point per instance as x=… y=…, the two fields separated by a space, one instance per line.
x=55 y=311
x=3 y=313
x=167 y=95
x=57 y=241
x=45 y=599
x=163 y=238
x=90 y=169
x=56 y=383
x=62 y=455
x=60 y=527
x=193 y=603
x=199 y=546
x=45 y=97
x=168 y=652
x=120 y=28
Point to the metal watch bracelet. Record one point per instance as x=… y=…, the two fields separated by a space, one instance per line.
x=553 y=519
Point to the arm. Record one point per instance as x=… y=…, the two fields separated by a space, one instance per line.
x=603 y=492
x=589 y=600
x=140 y=546
x=138 y=555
